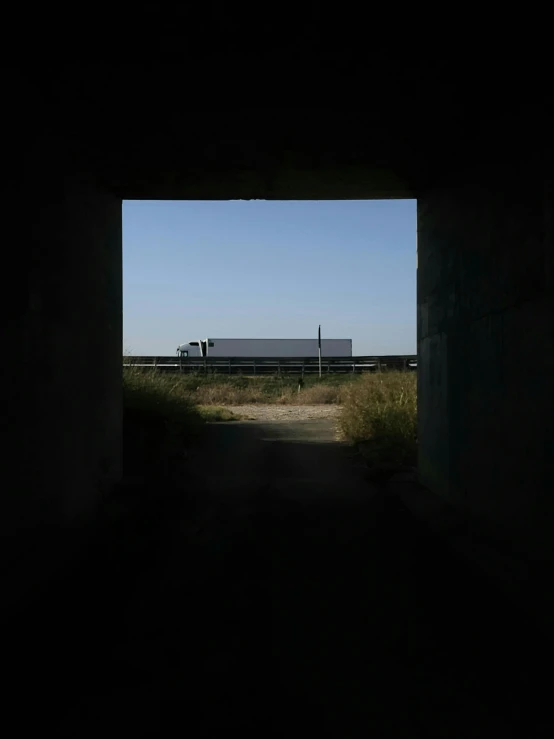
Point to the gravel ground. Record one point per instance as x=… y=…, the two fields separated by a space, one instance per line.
x=285 y=412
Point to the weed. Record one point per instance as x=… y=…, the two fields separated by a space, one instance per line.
x=380 y=415
x=217 y=413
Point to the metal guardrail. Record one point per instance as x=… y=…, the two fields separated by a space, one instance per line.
x=273 y=365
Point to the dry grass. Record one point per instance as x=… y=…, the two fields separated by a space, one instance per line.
x=315 y=395
x=380 y=415
x=222 y=393
x=221 y=390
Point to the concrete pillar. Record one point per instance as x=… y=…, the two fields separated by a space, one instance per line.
x=486 y=348
x=63 y=372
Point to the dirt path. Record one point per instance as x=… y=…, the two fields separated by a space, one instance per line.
x=300 y=458
x=259 y=412
x=297 y=599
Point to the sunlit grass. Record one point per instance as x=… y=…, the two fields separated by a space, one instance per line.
x=380 y=415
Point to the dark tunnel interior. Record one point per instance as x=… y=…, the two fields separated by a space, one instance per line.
x=272 y=588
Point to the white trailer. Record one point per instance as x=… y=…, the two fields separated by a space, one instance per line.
x=269 y=348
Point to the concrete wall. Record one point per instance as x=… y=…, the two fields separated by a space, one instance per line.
x=484 y=281
x=486 y=349
x=63 y=371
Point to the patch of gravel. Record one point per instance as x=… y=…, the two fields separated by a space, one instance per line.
x=284 y=412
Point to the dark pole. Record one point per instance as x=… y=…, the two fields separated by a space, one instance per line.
x=319 y=348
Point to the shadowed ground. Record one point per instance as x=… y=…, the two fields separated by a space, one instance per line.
x=278 y=592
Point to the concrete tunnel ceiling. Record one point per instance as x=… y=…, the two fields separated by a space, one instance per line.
x=146 y=131
x=140 y=139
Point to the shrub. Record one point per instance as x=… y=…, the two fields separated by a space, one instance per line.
x=380 y=415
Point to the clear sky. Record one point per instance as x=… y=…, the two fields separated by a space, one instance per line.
x=269 y=269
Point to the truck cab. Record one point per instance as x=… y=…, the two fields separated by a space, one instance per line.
x=198 y=348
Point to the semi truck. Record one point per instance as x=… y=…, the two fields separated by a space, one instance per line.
x=260 y=348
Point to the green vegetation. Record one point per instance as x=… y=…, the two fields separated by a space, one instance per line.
x=217 y=413
x=380 y=415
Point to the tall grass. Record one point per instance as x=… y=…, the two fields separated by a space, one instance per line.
x=159 y=422
x=265 y=392
x=247 y=390
x=380 y=415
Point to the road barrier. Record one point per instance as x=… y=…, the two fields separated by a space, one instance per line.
x=273 y=365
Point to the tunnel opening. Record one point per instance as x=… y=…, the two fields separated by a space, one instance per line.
x=306 y=296
x=258 y=268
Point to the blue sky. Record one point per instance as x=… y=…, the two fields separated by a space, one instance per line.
x=269 y=269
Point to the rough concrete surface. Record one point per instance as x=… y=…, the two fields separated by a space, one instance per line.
x=277 y=593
